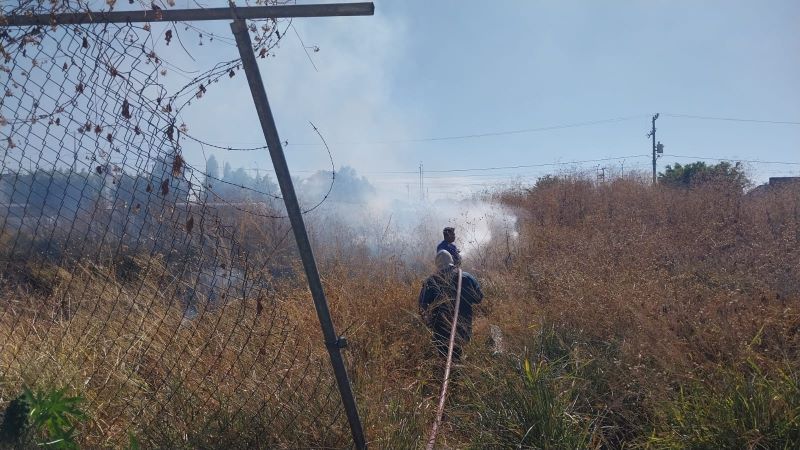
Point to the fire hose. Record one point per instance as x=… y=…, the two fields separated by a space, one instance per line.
x=445 y=382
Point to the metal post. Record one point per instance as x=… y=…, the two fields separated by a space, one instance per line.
x=182 y=15
x=421 y=184
x=332 y=342
x=653 y=135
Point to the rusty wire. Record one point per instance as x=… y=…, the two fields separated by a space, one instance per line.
x=124 y=274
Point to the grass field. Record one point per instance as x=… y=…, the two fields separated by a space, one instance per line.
x=632 y=316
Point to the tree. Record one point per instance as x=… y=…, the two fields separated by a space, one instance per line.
x=547 y=181
x=349 y=187
x=212 y=168
x=699 y=173
x=236 y=185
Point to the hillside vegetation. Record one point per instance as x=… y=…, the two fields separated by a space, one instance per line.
x=632 y=317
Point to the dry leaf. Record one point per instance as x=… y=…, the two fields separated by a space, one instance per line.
x=177 y=166
x=126 y=109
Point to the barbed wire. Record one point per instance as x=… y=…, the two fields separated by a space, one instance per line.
x=126 y=276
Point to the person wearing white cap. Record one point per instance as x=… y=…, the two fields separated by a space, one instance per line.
x=437 y=302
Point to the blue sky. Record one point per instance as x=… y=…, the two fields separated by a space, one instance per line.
x=420 y=69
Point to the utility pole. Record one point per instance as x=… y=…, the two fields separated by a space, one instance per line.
x=656 y=148
x=600 y=174
x=421 y=184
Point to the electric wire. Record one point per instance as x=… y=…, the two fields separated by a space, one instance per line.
x=731 y=119
x=750 y=161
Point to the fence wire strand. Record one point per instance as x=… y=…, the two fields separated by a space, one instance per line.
x=165 y=296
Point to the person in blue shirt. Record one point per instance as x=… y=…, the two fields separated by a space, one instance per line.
x=437 y=302
x=447 y=244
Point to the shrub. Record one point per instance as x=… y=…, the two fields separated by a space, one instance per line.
x=699 y=173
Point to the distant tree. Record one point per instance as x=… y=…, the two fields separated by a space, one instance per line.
x=236 y=185
x=239 y=177
x=348 y=187
x=547 y=181
x=51 y=192
x=699 y=173
x=212 y=168
x=265 y=184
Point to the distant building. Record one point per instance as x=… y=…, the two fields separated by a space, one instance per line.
x=776 y=184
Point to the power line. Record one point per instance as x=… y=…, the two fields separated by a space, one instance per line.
x=732 y=119
x=753 y=161
x=526 y=166
x=504 y=132
x=494 y=133
x=416 y=172
x=485 y=175
x=433 y=138
x=616 y=158
x=521 y=166
x=255 y=169
x=494 y=176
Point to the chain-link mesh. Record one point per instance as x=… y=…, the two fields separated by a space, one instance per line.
x=160 y=294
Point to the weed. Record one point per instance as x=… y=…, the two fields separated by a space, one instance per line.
x=47 y=417
x=740 y=409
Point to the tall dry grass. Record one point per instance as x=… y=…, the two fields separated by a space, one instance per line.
x=688 y=287
x=694 y=275
x=242 y=373
x=632 y=317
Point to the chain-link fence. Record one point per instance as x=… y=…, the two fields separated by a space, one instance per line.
x=163 y=296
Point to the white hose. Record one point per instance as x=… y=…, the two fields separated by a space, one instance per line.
x=443 y=395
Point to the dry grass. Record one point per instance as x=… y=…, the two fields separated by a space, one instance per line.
x=686 y=277
x=618 y=295
x=232 y=375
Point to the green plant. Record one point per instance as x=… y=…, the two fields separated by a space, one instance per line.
x=742 y=409
x=534 y=406
x=48 y=417
x=699 y=173
x=532 y=410
x=133 y=443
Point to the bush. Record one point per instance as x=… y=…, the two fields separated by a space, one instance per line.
x=698 y=173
